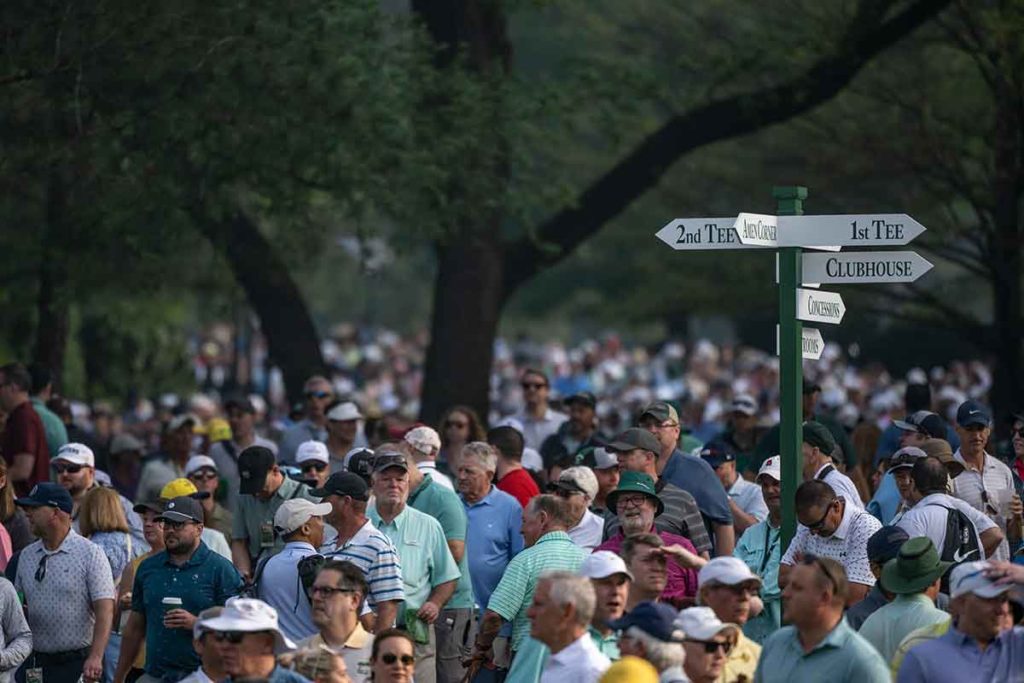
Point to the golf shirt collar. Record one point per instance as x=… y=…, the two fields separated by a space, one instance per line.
x=427 y=481
x=62 y=548
x=286 y=488
x=844 y=526
x=486 y=500
x=196 y=559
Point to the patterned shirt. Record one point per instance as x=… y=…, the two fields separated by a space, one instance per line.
x=977 y=488
x=510 y=600
x=375 y=554
x=59 y=603
x=681 y=517
x=848 y=545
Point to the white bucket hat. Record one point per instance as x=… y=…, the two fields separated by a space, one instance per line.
x=250 y=616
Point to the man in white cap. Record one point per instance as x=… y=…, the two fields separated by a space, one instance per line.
x=976 y=648
x=707 y=643
x=578 y=487
x=313 y=459
x=342 y=432
x=759 y=548
x=727 y=586
x=75 y=466
x=424 y=445
x=280 y=583
x=249 y=638
x=606 y=469
x=201 y=470
x=610 y=577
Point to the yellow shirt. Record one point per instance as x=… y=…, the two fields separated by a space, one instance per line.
x=916 y=637
x=355 y=652
x=742 y=662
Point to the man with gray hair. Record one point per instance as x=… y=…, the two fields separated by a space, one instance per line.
x=578 y=487
x=649 y=632
x=560 y=615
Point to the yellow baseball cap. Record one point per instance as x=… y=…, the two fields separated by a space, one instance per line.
x=215 y=429
x=630 y=669
x=180 y=487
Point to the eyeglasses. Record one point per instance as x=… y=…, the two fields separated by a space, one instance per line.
x=318 y=394
x=815 y=561
x=328 y=591
x=233 y=637
x=203 y=476
x=821 y=522
x=630 y=501
x=658 y=426
x=41 y=569
x=391 y=658
x=1019 y=432
x=176 y=526
x=455 y=423
x=712 y=646
x=528 y=386
x=318 y=466
x=565 y=493
x=70 y=469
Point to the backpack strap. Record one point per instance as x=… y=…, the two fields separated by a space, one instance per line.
x=825 y=471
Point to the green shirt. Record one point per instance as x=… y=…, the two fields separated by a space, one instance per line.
x=422 y=550
x=254 y=518
x=842 y=657
x=608 y=645
x=56 y=432
x=510 y=600
x=759 y=548
x=890 y=624
x=446 y=507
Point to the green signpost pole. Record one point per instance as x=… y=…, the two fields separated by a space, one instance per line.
x=790 y=203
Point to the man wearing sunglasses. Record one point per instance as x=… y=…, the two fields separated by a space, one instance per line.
x=343 y=420
x=75 y=467
x=201 y=470
x=707 y=643
x=830 y=527
x=314 y=461
x=170 y=589
x=727 y=586
x=68 y=591
x=538 y=419
x=318 y=395
x=249 y=638
x=818 y=644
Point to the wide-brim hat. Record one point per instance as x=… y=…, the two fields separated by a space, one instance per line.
x=635 y=482
x=915 y=567
x=250 y=616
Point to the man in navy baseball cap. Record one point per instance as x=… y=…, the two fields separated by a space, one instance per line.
x=47 y=494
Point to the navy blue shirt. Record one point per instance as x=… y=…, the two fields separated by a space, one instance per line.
x=206 y=580
x=696 y=477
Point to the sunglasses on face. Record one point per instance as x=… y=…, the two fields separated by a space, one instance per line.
x=318 y=394
x=176 y=526
x=318 y=466
x=821 y=522
x=233 y=637
x=711 y=646
x=70 y=469
x=203 y=476
x=328 y=591
x=391 y=658
x=1019 y=432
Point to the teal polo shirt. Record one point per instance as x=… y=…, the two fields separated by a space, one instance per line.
x=844 y=655
x=422 y=551
x=446 y=507
x=206 y=580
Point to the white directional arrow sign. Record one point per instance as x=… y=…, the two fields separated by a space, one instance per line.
x=699 y=234
x=819 y=307
x=864 y=267
x=869 y=230
x=813 y=343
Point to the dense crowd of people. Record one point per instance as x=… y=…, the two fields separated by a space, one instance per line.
x=617 y=517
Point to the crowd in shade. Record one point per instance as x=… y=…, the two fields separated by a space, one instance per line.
x=616 y=517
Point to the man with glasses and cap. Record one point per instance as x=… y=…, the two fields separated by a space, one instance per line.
x=319 y=395
x=745 y=500
x=578 y=487
x=343 y=419
x=913 y=577
x=707 y=642
x=170 y=589
x=429 y=572
x=829 y=527
x=977 y=647
x=727 y=586
x=264 y=487
x=760 y=549
x=250 y=639
x=687 y=472
x=818 y=644
x=201 y=470
x=68 y=592
x=313 y=461
x=986 y=484
x=742 y=433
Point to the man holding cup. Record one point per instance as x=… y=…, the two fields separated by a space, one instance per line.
x=170 y=589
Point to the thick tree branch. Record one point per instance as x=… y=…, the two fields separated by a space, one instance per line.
x=640 y=170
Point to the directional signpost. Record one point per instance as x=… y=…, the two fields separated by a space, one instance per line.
x=790 y=232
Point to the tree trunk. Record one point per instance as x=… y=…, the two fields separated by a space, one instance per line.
x=292 y=339
x=52 y=304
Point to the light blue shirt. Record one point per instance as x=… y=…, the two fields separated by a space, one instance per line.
x=886 y=501
x=759 y=548
x=956 y=658
x=492 y=540
x=843 y=656
x=281 y=588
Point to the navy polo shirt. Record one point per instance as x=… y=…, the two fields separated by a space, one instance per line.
x=206 y=580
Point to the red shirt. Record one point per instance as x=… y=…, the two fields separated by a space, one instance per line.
x=24 y=433
x=520 y=485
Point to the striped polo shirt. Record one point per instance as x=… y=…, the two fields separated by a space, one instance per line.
x=681 y=517
x=554 y=551
x=976 y=489
x=375 y=554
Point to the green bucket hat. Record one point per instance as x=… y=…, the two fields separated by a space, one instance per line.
x=635 y=482
x=916 y=567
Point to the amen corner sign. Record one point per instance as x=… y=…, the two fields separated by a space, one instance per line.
x=855 y=230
